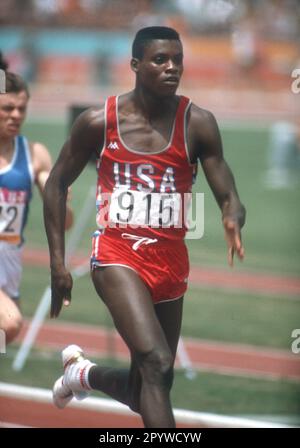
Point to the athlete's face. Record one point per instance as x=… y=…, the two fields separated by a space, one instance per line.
x=13 y=108
x=161 y=67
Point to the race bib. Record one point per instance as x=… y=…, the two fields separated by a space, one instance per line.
x=12 y=206
x=142 y=209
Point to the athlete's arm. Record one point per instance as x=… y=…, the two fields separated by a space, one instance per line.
x=42 y=164
x=85 y=138
x=206 y=145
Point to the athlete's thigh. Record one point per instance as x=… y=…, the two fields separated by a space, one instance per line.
x=169 y=315
x=130 y=304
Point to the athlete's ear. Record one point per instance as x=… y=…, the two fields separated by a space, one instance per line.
x=134 y=64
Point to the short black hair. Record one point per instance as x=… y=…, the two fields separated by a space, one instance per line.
x=145 y=35
x=15 y=83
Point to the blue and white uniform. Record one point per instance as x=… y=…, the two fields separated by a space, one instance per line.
x=16 y=182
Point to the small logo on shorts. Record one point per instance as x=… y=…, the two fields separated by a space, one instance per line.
x=186 y=280
x=113 y=145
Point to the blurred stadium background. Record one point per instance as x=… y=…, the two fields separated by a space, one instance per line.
x=239 y=59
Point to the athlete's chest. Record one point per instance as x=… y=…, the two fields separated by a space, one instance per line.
x=14 y=174
x=145 y=136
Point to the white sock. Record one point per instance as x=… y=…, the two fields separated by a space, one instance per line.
x=84 y=375
x=77 y=375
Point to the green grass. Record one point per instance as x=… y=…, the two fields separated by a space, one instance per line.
x=224 y=394
x=208 y=392
x=240 y=318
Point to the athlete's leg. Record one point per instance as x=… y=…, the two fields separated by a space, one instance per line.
x=125 y=384
x=10 y=317
x=130 y=305
x=170 y=317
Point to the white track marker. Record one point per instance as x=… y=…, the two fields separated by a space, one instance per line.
x=185 y=361
x=197 y=419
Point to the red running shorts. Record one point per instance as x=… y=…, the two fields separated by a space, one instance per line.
x=163 y=265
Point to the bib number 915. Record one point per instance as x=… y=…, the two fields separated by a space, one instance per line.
x=145 y=209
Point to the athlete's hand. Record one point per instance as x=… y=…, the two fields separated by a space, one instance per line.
x=61 y=287
x=233 y=239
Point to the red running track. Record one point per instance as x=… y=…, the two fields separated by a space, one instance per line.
x=235 y=359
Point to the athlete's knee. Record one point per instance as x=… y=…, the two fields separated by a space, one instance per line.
x=11 y=324
x=157 y=367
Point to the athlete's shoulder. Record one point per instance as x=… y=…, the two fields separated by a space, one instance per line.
x=87 y=132
x=202 y=122
x=203 y=132
x=36 y=149
x=201 y=116
x=40 y=157
x=92 y=118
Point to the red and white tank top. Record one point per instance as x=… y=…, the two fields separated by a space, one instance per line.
x=141 y=193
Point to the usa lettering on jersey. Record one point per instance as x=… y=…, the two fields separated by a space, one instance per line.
x=12 y=197
x=123 y=178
